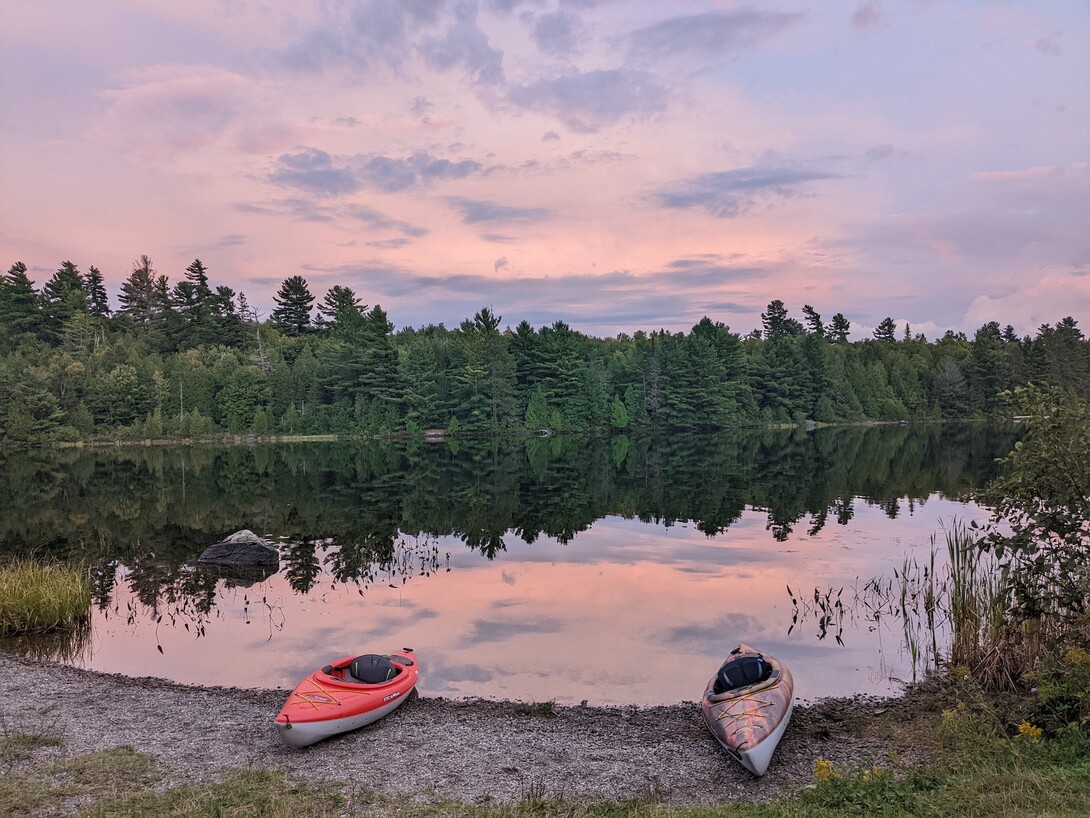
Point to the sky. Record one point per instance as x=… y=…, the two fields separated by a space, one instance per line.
x=616 y=165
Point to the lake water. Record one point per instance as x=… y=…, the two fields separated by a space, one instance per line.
x=614 y=571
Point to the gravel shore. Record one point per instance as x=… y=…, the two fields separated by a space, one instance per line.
x=430 y=749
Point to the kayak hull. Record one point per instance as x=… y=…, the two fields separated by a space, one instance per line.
x=329 y=701
x=750 y=720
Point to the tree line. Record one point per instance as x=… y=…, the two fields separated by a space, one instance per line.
x=192 y=359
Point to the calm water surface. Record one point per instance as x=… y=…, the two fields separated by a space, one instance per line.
x=616 y=573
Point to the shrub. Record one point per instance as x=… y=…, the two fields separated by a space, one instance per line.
x=1063 y=691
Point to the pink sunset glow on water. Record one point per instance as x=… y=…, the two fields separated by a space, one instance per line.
x=626 y=613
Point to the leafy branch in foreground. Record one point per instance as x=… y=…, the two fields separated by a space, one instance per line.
x=1041 y=501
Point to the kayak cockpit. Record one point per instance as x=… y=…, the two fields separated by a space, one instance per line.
x=367 y=669
x=744 y=671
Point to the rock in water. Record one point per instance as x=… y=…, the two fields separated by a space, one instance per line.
x=243 y=548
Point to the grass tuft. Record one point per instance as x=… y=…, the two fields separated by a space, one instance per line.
x=545 y=709
x=37 y=597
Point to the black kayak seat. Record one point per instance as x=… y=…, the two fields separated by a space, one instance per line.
x=741 y=671
x=372 y=669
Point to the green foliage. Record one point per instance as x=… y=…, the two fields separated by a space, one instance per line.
x=260 y=424
x=619 y=416
x=63 y=297
x=538 y=415
x=197 y=346
x=865 y=792
x=138 y=297
x=1042 y=504
x=293 y=303
x=1063 y=691
x=839 y=328
x=777 y=323
x=20 y=308
x=886 y=331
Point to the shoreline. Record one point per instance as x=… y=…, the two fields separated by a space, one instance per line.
x=433 y=749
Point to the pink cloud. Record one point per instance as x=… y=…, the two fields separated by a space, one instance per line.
x=167 y=108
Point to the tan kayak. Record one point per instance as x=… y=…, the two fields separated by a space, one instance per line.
x=747 y=705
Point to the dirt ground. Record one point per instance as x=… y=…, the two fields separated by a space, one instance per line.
x=468 y=750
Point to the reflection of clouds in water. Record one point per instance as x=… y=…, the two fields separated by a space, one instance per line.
x=359 y=628
x=442 y=678
x=716 y=637
x=628 y=612
x=396 y=603
x=391 y=624
x=489 y=631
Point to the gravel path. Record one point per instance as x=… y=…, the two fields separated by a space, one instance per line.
x=474 y=751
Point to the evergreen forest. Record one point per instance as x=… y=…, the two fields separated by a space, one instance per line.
x=193 y=359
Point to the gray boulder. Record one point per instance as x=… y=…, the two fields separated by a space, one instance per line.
x=241 y=549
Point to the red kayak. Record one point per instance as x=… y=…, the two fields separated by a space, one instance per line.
x=350 y=693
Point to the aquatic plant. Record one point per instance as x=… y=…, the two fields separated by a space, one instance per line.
x=953 y=610
x=37 y=597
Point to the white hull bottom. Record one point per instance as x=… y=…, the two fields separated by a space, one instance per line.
x=756 y=759
x=305 y=733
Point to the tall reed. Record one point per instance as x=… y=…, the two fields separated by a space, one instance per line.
x=38 y=597
x=959 y=611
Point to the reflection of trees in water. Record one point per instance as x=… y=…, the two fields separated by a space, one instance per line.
x=179 y=596
x=366 y=563
x=372 y=509
x=172 y=501
x=71 y=645
x=303 y=565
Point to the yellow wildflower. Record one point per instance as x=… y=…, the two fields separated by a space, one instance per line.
x=1030 y=731
x=823 y=770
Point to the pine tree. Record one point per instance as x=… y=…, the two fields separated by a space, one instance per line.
x=191 y=300
x=137 y=297
x=776 y=322
x=341 y=311
x=886 y=331
x=197 y=275
x=227 y=324
x=63 y=296
x=839 y=328
x=813 y=321
x=293 y=300
x=20 y=307
x=97 y=301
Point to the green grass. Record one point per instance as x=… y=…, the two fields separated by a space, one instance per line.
x=37 y=597
x=239 y=793
x=983 y=771
x=21 y=746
